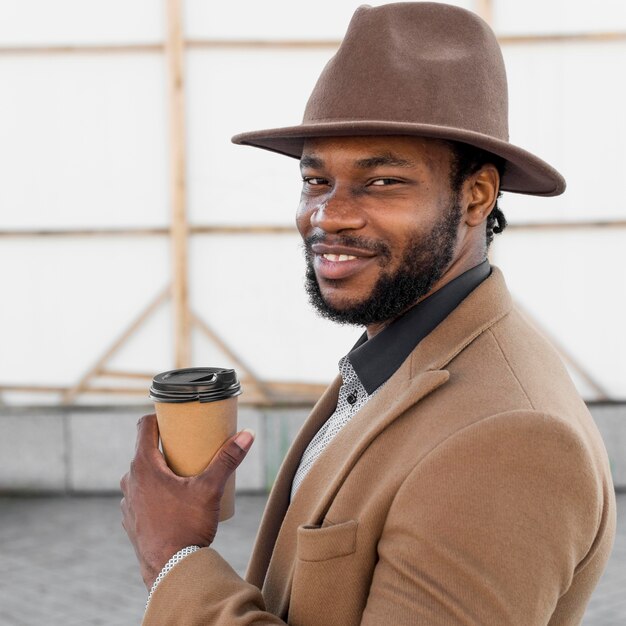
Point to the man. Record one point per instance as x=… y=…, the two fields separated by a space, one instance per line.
x=451 y=474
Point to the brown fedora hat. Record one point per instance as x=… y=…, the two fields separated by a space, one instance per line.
x=416 y=68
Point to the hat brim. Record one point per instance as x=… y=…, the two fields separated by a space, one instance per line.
x=524 y=173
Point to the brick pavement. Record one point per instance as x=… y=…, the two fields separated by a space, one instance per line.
x=67 y=562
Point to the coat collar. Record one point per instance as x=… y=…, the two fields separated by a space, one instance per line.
x=487 y=304
x=377 y=359
x=422 y=373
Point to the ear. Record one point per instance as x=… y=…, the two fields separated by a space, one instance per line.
x=482 y=192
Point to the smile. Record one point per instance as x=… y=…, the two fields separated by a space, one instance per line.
x=332 y=266
x=339 y=258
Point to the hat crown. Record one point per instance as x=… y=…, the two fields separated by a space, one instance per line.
x=422 y=69
x=425 y=63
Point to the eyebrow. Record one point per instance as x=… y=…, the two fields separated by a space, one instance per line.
x=311 y=161
x=387 y=159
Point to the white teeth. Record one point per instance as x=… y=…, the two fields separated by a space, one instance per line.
x=339 y=257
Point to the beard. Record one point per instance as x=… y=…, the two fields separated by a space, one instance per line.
x=423 y=263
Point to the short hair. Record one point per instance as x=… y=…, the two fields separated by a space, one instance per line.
x=467 y=160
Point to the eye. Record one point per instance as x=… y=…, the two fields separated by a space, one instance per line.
x=382 y=182
x=314 y=180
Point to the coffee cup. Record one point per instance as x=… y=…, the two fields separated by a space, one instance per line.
x=196 y=410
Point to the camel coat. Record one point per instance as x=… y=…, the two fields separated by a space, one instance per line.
x=472 y=489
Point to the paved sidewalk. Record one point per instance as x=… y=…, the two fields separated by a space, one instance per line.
x=67 y=562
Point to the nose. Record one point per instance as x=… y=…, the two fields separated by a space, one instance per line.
x=336 y=213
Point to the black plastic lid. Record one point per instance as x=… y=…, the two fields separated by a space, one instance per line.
x=206 y=384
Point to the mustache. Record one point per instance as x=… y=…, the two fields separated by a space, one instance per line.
x=350 y=241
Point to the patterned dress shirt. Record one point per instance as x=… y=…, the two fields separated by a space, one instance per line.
x=352 y=397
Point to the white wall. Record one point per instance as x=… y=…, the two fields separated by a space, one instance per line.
x=40 y=22
x=566 y=104
x=275 y=19
x=84 y=145
x=84 y=141
x=512 y=17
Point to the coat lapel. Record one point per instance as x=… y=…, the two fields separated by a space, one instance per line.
x=278 y=501
x=328 y=473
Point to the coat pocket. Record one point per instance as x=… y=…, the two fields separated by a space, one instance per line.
x=317 y=543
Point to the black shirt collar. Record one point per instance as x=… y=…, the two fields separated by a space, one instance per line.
x=377 y=359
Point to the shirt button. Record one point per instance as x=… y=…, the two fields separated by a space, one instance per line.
x=351 y=398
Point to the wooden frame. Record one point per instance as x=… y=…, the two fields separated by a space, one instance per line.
x=311 y=44
x=179 y=230
x=271 y=229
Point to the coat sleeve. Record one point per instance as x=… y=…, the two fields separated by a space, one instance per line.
x=204 y=589
x=489 y=528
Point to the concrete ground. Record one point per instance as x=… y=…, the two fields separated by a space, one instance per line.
x=66 y=562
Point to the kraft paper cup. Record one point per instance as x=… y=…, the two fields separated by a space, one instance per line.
x=195 y=420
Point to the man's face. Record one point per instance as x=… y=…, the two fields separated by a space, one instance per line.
x=379 y=223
